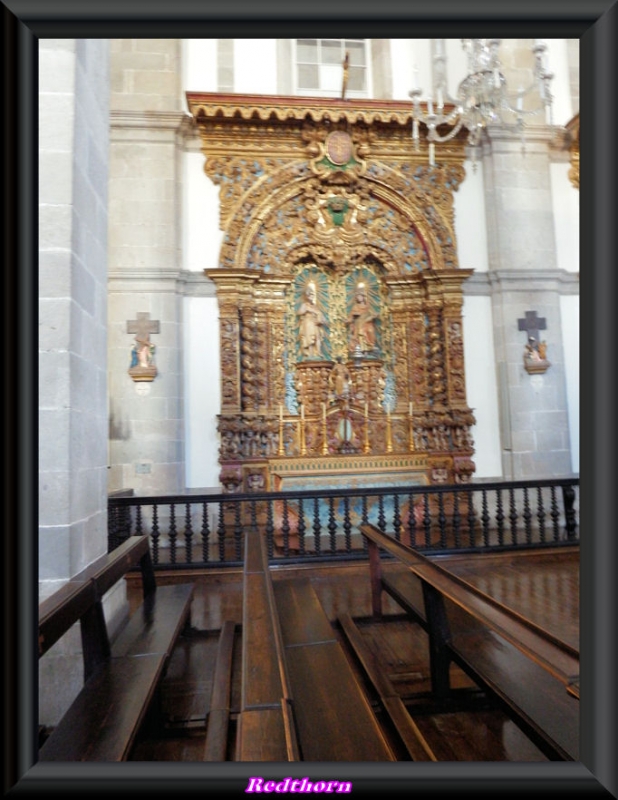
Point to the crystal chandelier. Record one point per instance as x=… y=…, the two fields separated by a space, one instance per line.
x=482 y=98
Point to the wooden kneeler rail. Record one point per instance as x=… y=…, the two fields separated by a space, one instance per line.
x=413 y=740
x=218 y=720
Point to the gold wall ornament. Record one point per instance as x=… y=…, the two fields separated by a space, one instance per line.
x=338 y=250
x=572 y=139
x=338 y=146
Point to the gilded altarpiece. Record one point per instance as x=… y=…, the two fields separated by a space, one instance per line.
x=339 y=293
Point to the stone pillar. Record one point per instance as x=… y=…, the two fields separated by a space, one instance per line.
x=146 y=429
x=523 y=276
x=73 y=148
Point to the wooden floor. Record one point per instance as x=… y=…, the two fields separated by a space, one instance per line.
x=542 y=586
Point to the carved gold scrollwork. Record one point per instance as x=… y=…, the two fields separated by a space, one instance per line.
x=573 y=145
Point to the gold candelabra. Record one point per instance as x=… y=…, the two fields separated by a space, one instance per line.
x=301 y=430
x=389 y=433
x=411 y=427
x=281 y=450
x=324 y=431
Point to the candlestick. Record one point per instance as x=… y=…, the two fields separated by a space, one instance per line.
x=324 y=432
x=389 y=439
x=411 y=408
x=281 y=450
x=366 y=410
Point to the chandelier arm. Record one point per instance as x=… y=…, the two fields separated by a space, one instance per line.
x=482 y=96
x=435 y=137
x=525 y=112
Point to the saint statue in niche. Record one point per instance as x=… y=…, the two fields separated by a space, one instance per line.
x=311 y=324
x=361 y=323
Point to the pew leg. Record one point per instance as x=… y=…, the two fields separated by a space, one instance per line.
x=439 y=636
x=375 y=576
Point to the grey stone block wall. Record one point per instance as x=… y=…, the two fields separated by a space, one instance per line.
x=73 y=159
x=523 y=276
x=146 y=420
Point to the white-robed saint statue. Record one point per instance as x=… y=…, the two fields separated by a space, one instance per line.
x=311 y=325
x=361 y=322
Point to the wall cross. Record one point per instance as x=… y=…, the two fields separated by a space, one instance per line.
x=532 y=324
x=143 y=326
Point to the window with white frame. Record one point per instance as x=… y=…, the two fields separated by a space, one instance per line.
x=319 y=67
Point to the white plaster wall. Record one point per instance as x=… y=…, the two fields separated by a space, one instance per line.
x=470 y=220
x=255 y=66
x=557 y=62
x=565 y=202
x=481 y=385
x=569 y=311
x=201 y=236
x=456 y=65
x=199 y=67
x=202 y=391
x=403 y=55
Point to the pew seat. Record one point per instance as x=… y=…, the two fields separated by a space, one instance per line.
x=334 y=718
x=121 y=678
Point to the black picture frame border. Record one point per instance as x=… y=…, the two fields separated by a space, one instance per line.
x=594 y=22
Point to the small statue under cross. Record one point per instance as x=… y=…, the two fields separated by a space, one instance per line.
x=535 y=352
x=142 y=355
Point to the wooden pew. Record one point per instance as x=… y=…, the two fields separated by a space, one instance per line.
x=266 y=729
x=300 y=700
x=120 y=678
x=530 y=673
x=334 y=718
